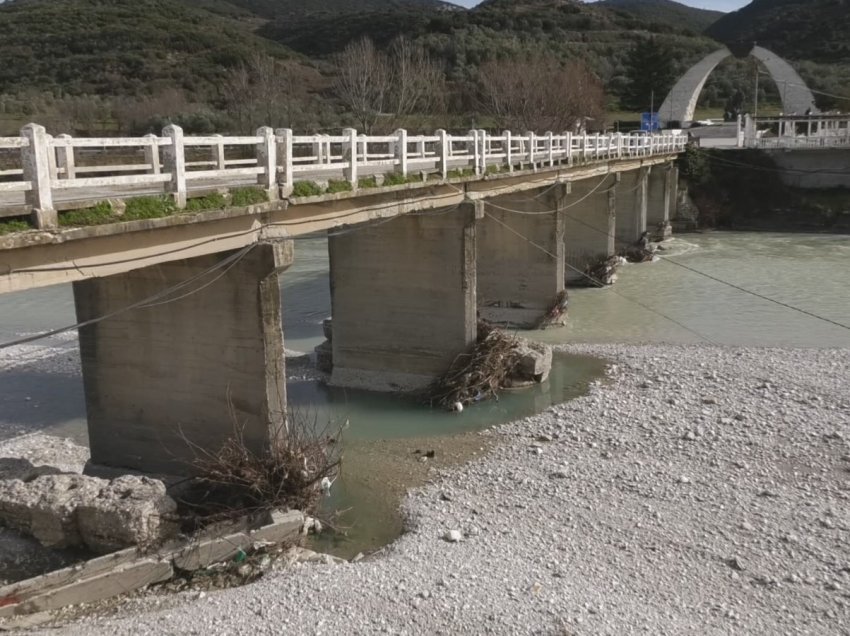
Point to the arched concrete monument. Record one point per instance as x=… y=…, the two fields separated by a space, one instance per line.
x=682 y=100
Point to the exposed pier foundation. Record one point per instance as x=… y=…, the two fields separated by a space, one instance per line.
x=590 y=224
x=176 y=373
x=631 y=215
x=403 y=297
x=521 y=256
x=662 y=194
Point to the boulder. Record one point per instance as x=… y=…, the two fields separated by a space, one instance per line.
x=534 y=362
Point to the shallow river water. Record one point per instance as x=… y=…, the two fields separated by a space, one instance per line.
x=695 y=293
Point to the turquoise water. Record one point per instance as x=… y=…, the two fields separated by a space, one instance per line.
x=657 y=302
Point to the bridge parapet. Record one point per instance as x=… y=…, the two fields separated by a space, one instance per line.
x=42 y=174
x=806 y=132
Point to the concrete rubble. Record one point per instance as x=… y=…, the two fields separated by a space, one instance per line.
x=72 y=510
x=133 y=568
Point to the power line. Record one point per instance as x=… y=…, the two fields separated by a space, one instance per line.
x=601 y=284
x=694 y=270
x=752 y=293
x=150 y=301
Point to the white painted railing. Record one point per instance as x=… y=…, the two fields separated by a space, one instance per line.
x=795 y=132
x=76 y=170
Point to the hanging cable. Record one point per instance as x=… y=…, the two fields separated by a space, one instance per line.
x=151 y=301
x=601 y=284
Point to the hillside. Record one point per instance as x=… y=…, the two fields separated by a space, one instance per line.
x=295 y=9
x=123 y=47
x=814 y=30
x=665 y=12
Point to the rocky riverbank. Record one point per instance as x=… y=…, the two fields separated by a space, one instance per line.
x=701 y=490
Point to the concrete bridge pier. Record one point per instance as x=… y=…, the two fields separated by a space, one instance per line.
x=520 y=256
x=662 y=195
x=631 y=194
x=188 y=368
x=403 y=299
x=589 y=225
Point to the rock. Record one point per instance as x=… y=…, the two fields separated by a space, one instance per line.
x=736 y=564
x=684 y=479
x=534 y=362
x=131 y=510
x=453 y=536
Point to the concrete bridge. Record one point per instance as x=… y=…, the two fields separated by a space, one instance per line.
x=181 y=316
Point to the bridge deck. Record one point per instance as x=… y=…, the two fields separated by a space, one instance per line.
x=39 y=258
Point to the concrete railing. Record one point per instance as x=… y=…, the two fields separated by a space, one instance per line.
x=71 y=171
x=795 y=132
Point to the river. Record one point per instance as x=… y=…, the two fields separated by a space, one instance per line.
x=694 y=293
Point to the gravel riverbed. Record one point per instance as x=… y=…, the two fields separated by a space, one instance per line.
x=699 y=490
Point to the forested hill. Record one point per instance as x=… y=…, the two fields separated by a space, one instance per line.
x=300 y=8
x=665 y=12
x=123 y=47
x=814 y=30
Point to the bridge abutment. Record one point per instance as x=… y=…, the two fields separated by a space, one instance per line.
x=186 y=370
x=589 y=225
x=520 y=256
x=403 y=298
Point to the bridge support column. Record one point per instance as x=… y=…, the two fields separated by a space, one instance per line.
x=403 y=299
x=661 y=198
x=590 y=224
x=163 y=377
x=631 y=206
x=520 y=257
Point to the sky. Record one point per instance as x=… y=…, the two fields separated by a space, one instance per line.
x=717 y=5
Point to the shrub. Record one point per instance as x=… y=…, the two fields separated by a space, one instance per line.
x=335 y=186
x=95 y=215
x=13 y=225
x=305 y=189
x=149 y=208
x=214 y=201
x=240 y=197
x=395 y=179
x=367 y=182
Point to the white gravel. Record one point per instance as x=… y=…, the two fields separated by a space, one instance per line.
x=703 y=490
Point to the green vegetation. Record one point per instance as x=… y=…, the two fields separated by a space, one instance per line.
x=395 y=179
x=214 y=201
x=96 y=215
x=148 y=208
x=90 y=66
x=241 y=197
x=460 y=173
x=664 y=13
x=10 y=226
x=493 y=170
x=335 y=186
x=367 y=182
x=306 y=189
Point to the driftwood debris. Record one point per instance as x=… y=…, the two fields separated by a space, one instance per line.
x=496 y=361
x=557 y=312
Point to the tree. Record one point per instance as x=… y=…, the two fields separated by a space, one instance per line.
x=651 y=73
x=269 y=92
x=417 y=83
x=539 y=93
x=362 y=81
x=399 y=83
